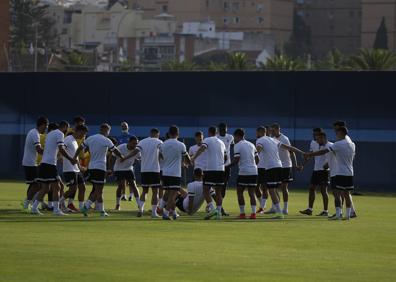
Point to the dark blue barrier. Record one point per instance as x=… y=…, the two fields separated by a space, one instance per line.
x=194 y=100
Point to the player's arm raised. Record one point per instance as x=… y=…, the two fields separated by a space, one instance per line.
x=131 y=154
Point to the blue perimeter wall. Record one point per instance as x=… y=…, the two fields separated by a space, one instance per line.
x=299 y=101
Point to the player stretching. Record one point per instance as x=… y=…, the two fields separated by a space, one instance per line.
x=228 y=141
x=268 y=149
x=71 y=172
x=214 y=174
x=173 y=153
x=150 y=169
x=320 y=177
x=288 y=159
x=31 y=149
x=344 y=151
x=98 y=145
x=124 y=172
x=48 y=172
x=245 y=155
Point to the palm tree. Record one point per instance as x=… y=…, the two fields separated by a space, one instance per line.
x=334 y=60
x=76 y=61
x=238 y=61
x=283 y=63
x=373 y=59
x=179 y=66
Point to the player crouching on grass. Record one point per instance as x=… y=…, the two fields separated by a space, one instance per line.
x=124 y=171
x=245 y=155
x=98 y=146
x=344 y=151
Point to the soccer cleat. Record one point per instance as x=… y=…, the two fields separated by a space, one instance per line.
x=175 y=215
x=219 y=216
x=353 y=215
x=139 y=214
x=242 y=216
x=159 y=211
x=211 y=214
x=130 y=199
x=165 y=217
x=278 y=216
x=335 y=217
x=72 y=207
x=253 y=216
x=123 y=198
x=285 y=212
x=323 y=213
x=104 y=214
x=59 y=213
x=271 y=211
x=117 y=208
x=260 y=211
x=36 y=212
x=224 y=213
x=306 y=212
x=84 y=210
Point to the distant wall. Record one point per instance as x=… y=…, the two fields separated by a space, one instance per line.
x=193 y=100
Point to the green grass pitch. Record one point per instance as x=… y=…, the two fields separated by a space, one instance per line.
x=126 y=248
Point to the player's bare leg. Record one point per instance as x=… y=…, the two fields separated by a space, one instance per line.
x=276 y=201
x=285 y=193
x=171 y=203
x=56 y=188
x=99 y=198
x=31 y=191
x=134 y=191
x=161 y=201
x=253 y=203
x=348 y=204
x=325 y=197
x=119 y=193
x=338 y=204
x=241 y=202
x=311 y=200
x=142 y=201
x=69 y=195
x=154 y=201
x=44 y=189
x=81 y=195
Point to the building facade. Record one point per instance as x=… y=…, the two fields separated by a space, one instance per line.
x=266 y=16
x=333 y=24
x=373 y=11
x=4 y=34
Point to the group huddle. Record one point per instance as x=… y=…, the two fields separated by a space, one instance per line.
x=264 y=169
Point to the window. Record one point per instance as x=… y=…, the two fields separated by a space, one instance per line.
x=225 y=20
x=165 y=8
x=226 y=6
x=236 y=20
x=259 y=8
x=260 y=20
x=235 y=6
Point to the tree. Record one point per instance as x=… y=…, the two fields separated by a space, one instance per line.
x=334 y=60
x=374 y=59
x=381 y=38
x=299 y=43
x=75 y=61
x=283 y=63
x=238 y=61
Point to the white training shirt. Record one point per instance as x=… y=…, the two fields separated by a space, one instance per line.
x=332 y=162
x=247 y=153
x=71 y=147
x=228 y=140
x=215 y=151
x=53 y=140
x=194 y=189
x=284 y=154
x=98 y=145
x=344 y=151
x=202 y=160
x=269 y=155
x=149 y=149
x=30 y=153
x=320 y=161
x=126 y=165
x=173 y=152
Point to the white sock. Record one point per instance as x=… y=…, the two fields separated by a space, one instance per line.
x=253 y=209
x=286 y=206
x=100 y=207
x=161 y=203
x=80 y=205
x=338 y=212
x=35 y=196
x=241 y=209
x=138 y=203
x=166 y=212
x=310 y=209
x=56 y=206
x=211 y=206
x=154 y=209
x=123 y=196
x=25 y=204
x=118 y=200
x=277 y=208
x=36 y=203
x=141 y=206
x=50 y=204
x=263 y=203
x=348 y=213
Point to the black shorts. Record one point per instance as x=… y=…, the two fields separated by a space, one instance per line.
x=73 y=178
x=31 y=174
x=247 y=180
x=127 y=175
x=179 y=203
x=287 y=175
x=261 y=176
x=96 y=176
x=214 y=178
x=151 y=179
x=273 y=177
x=171 y=182
x=320 y=177
x=344 y=183
x=48 y=173
x=333 y=182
